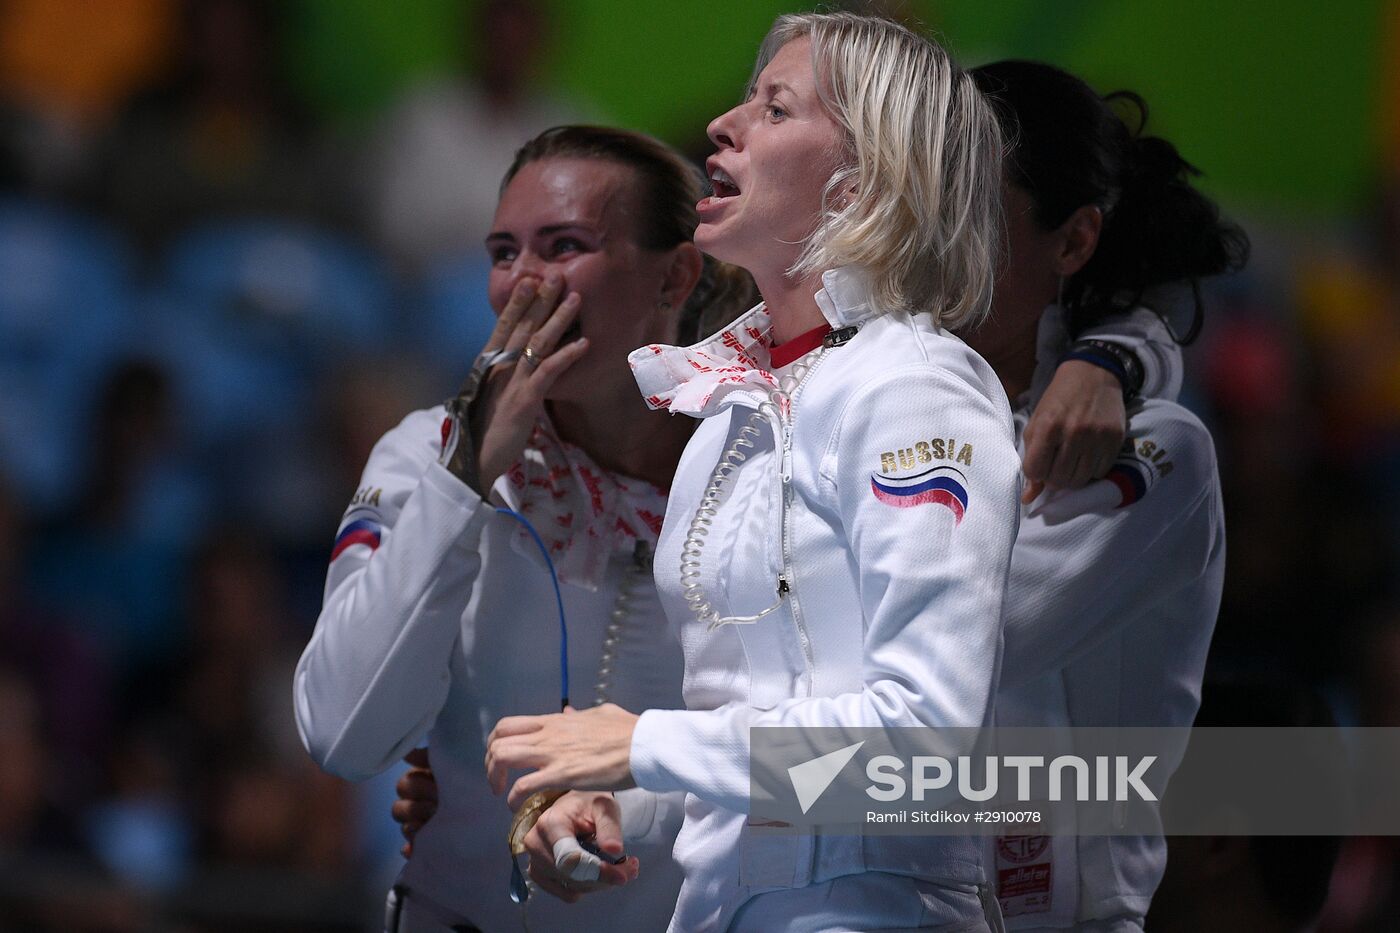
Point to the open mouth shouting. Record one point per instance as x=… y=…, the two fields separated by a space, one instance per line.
x=723 y=187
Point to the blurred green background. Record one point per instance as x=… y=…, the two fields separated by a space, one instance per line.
x=1278 y=100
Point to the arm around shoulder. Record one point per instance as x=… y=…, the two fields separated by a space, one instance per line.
x=1090 y=561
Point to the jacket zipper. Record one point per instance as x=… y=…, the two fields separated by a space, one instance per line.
x=786 y=578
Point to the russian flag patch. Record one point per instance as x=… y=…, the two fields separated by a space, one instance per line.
x=1132 y=479
x=360 y=531
x=942 y=485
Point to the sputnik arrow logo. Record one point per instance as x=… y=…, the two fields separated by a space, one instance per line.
x=811 y=778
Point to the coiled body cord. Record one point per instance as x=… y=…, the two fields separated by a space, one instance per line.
x=691 y=588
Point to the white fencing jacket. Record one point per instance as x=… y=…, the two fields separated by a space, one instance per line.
x=1113 y=599
x=435 y=617
x=894 y=613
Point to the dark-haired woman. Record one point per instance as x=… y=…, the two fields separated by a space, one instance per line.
x=439 y=612
x=1114 y=587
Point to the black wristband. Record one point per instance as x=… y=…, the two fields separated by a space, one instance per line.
x=1117 y=359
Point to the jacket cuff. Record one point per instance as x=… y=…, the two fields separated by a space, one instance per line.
x=638 y=807
x=453 y=495
x=656 y=730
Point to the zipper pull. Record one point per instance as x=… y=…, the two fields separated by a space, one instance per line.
x=783 y=588
x=787 y=453
x=838 y=337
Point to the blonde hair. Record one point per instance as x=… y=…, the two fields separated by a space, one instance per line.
x=918 y=204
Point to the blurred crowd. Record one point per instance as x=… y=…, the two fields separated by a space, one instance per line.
x=214 y=299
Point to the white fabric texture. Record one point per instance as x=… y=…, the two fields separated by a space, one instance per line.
x=1111 y=607
x=894 y=618
x=437 y=616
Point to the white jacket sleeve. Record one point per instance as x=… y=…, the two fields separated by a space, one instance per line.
x=649 y=818
x=375 y=673
x=1143 y=332
x=931 y=579
x=1093 y=559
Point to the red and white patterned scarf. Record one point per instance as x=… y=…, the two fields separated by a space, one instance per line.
x=699 y=380
x=736 y=363
x=584 y=513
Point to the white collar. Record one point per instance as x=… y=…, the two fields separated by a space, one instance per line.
x=734 y=365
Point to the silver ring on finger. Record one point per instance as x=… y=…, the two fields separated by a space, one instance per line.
x=531 y=357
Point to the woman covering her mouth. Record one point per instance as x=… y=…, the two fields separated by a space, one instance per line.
x=439 y=614
x=838 y=533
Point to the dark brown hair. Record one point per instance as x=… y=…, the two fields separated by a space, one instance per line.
x=1071 y=147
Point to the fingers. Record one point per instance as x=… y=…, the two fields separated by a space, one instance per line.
x=418 y=798
x=607 y=824
x=1067 y=455
x=1084 y=470
x=418 y=758
x=563 y=317
x=586 y=871
x=520 y=300
x=555 y=851
x=516 y=725
x=1041 y=445
x=553 y=366
x=527 y=784
x=539 y=844
x=411 y=815
x=503 y=754
x=550 y=882
x=607 y=836
x=1065 y=467
x=574 y=862
x=1086 y=456
x=417 y=786
x=546 y=296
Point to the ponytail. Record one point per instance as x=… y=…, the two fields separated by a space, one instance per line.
x=1070 y=148
x=1159 y=230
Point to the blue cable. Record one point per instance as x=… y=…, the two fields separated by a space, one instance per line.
x=558 y=598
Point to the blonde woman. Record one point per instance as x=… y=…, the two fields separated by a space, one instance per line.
x=848 y=567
